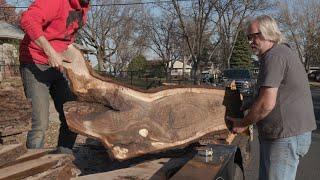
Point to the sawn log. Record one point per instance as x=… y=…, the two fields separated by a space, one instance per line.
x=132 y=122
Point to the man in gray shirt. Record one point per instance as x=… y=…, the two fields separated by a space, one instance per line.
x=283 y=109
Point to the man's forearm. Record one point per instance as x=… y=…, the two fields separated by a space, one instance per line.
x=256 y=113
x=262 y=107
x=54 y=58
x=46 y=46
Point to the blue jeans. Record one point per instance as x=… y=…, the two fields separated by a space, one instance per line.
x=279 y=158
x=39 y=81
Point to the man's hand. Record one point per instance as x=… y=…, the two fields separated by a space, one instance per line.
x=55 y=61
x=236 y=125
x=235 y=122
x=239 y=129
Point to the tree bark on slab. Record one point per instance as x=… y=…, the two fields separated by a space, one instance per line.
x=132 y=122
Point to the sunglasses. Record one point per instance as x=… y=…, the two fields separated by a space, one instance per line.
x=253 y=35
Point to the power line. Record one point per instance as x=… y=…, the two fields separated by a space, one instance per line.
x=112 y=4
x=138 y=3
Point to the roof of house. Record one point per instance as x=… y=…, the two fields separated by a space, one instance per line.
x=179 y=65
x=8 y=31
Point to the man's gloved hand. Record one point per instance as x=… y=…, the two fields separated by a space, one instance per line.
x=235 y=125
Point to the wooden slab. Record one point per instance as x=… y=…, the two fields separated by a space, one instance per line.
x=10 y=153
x=13 y=127
x=64 y=172
x=33 y=167
x=14 y=139
x=13 y=104
x=31 y=154
x=131 y=122
x=15 y=109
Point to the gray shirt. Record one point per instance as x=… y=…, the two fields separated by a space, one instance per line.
x=293 y=113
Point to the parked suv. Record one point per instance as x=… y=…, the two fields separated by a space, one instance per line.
x=243 y=79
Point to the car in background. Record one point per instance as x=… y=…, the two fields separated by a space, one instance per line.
x=207 y=78
x=312 y=71
x=314 y=75
x=244 y=81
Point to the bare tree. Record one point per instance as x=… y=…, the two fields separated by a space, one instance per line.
x=112 y=31
x=130 y=40
x=7 y=13
x=164 y=40
x=197 y=26
x=300 y=21
x=232 y=20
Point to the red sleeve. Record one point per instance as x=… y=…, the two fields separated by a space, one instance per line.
x=39 y=13
x=85 y=12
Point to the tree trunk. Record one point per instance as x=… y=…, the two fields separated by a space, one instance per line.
x=100 y=56
x=132 y=122
x=196 y=73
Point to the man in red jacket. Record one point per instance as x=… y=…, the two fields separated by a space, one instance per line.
x=50 y=27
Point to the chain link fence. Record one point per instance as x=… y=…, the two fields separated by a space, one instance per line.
x=141 y=79
x=147 y=80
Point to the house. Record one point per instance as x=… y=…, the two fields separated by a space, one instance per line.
x=9 y=38
x=176 y=69
x=179 y=69
x=8 y=31
x=211 y=69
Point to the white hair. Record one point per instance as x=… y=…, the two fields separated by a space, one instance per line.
x=269 y=28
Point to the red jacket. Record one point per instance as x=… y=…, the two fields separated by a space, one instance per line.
x=57 y=20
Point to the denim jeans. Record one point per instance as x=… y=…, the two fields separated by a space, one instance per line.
x=39 y=81
x=279 y=158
